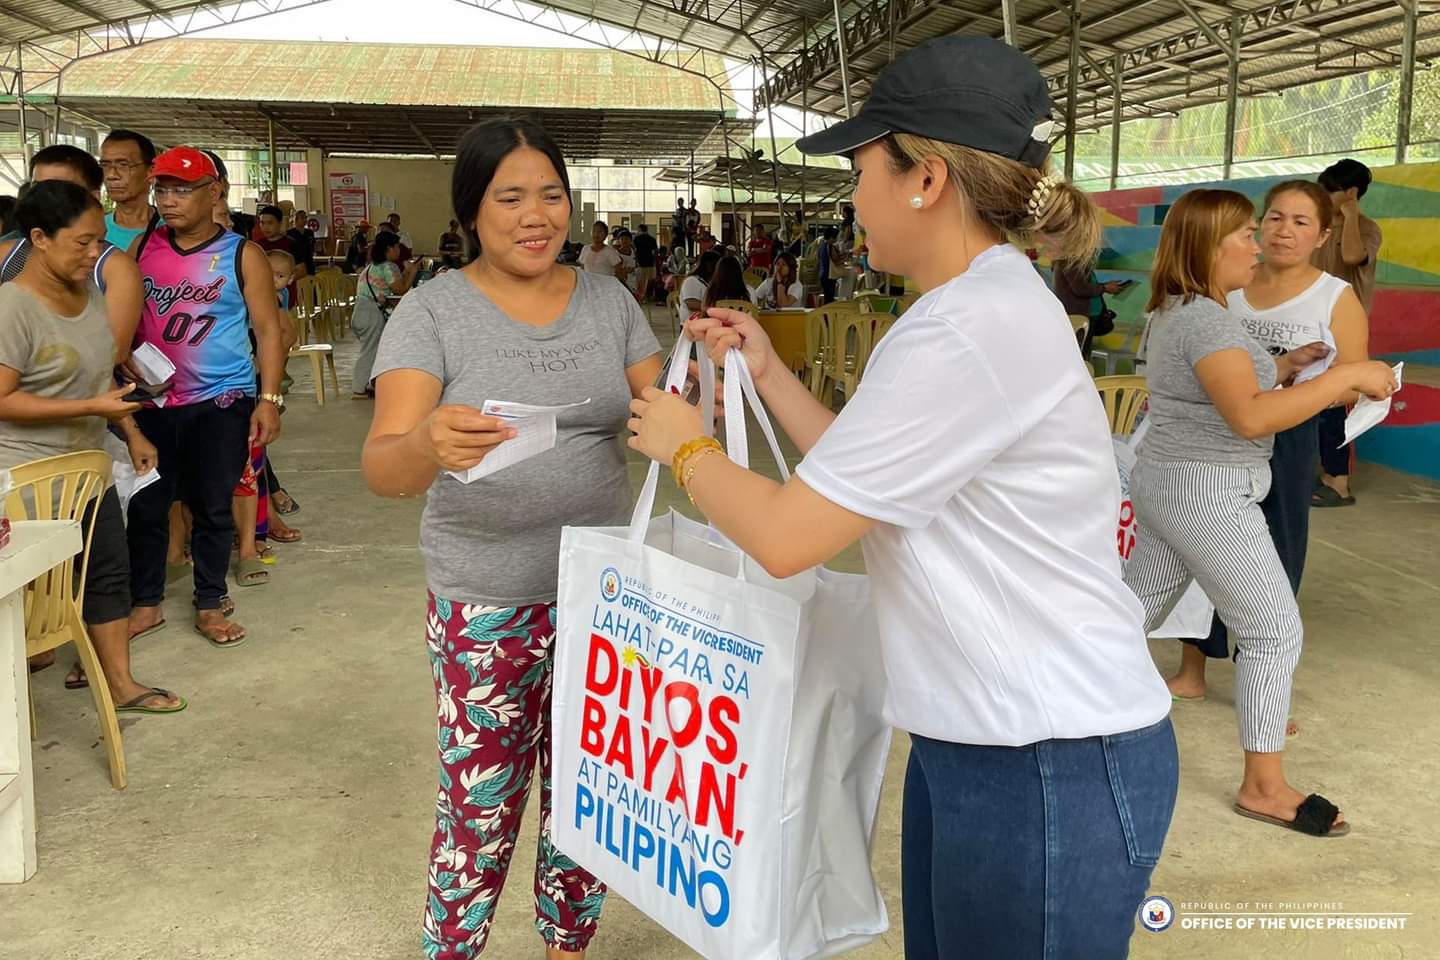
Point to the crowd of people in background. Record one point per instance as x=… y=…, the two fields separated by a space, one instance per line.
x=169 y=269
x=169 y=236
x=146 y=246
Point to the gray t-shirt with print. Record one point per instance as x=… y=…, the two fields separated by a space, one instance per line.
x=58 y=358
x=496 y=541
x=1185 y=424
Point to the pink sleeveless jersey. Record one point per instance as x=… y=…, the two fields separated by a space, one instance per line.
x=195 y=314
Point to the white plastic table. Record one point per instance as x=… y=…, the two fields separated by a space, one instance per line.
x=36 y=546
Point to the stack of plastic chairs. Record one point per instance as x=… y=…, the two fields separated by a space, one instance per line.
x=317 y=312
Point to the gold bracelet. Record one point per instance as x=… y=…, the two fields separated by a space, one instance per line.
x=690 y=466
x=686 y=451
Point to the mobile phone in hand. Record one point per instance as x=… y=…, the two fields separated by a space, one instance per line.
x=145 y=392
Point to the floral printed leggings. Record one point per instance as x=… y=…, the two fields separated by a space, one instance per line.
x=492 y=682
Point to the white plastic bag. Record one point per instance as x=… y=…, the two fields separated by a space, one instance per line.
x=718 y=745
x=1194 y=614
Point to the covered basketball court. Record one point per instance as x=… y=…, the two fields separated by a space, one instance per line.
x=803 y=61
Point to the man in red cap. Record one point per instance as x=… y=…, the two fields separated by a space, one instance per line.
x=205 y=288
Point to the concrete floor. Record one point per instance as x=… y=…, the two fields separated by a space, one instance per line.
x=286 y=815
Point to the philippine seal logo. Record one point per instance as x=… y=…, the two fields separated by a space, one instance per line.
x=610 y=584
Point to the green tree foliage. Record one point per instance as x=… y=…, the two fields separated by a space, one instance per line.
x=1336 y=115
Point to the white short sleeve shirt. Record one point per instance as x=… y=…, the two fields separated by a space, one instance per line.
x=602 y=261
x=979 y=443
x=692 y=289
x=765 y=293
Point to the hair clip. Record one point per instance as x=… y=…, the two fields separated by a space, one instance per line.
x=1041 y=193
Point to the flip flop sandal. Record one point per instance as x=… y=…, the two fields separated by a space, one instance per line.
x=156 y=628
x=219 y=644
x=1178 y=699
x=251 y=573
x=35 y=668
x=1315 y=817
x=79 y=684
x=286 y=506
x=1326 y=497
x=137 y=705
x=288 y=535
x=227 y=605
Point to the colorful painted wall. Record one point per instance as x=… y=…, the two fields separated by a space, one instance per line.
x=1405 y=324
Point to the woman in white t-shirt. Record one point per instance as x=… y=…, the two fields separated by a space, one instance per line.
x=692 y=291
x=1288 y=304
x=599 y=257
x=782 y=289
x=1043 y=769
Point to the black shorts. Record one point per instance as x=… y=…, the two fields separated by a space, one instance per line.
x=107 y=583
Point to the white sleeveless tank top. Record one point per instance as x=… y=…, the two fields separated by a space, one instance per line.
x=1302 y=319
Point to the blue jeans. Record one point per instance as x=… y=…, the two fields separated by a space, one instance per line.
x=1041 y=852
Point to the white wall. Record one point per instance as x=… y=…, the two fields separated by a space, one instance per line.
x=420 y=188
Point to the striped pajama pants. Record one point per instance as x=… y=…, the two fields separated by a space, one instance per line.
x=1202 y=522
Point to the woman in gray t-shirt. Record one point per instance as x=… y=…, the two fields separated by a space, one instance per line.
x=1203 y=469
x=513 y=325
x=57 y=354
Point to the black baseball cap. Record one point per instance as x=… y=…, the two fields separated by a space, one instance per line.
x=972 y=91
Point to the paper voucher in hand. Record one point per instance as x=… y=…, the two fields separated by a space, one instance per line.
x=536 y=429
x=1369 y=413
x=153 y=366
x=128 y=482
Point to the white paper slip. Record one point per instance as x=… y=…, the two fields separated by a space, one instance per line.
x=1369 y=413
x=510 y=410
x=128 y=482
x=153 y=366
x=535 y=428
x=1319 y=366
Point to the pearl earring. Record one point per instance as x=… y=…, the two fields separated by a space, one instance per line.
x=917 y=201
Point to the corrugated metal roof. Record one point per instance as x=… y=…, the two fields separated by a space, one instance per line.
x=380 y=98
x=390 y=75
x=735 y=27
x=368 y=128
x=1170 y=61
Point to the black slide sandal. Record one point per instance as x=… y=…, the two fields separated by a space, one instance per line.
x=1326 y=497
x=1314 y=817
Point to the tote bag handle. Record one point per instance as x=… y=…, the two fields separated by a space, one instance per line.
x=675 y=379
x=739 y=388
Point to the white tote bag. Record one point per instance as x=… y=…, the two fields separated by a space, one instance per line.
x=1193 y=614
x=717 y=743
